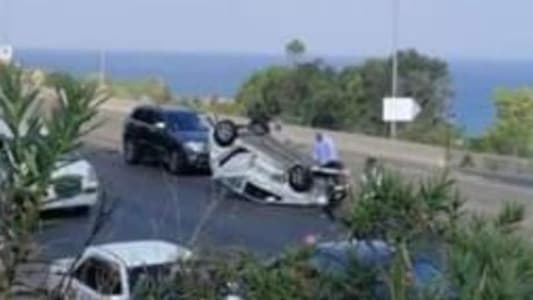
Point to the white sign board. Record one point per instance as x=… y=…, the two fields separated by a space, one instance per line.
x=400 y=109
x=6 y=54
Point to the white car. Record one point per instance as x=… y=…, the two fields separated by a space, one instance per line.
x=75 y=182
x=250 y=162
x=74 y=185
x=112 y=271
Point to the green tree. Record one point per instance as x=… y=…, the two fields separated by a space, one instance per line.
x=425 y=79
x=512 y=132
x=316 y=94
x=295 y=49
x=262 y=95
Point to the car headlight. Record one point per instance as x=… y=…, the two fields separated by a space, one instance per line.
x=195 y=146
x=92 y=176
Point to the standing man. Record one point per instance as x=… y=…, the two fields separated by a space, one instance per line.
x=325 y=151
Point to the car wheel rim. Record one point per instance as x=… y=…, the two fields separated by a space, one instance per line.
x=225 y=133
x=298 y=177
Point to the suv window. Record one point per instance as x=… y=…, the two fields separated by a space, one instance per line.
x=146 y=115
x=138 y=114
x=186 y=121
x=100 y=276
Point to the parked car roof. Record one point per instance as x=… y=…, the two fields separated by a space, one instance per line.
x=165 y=107
x=145 y=253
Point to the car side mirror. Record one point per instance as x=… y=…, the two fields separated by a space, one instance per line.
x=160 y=125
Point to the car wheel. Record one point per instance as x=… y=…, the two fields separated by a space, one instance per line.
x=176 y=162
x=131 y=152
x=259 y=128
x=56 y=294
x=225 y=133
x=300 y=178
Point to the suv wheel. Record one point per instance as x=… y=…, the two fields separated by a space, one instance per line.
x=176 y=162
x=131 y=152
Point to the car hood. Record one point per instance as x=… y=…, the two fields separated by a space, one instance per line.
x=61 y=266
x=79 y=167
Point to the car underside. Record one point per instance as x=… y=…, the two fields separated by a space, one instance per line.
x=257 y=166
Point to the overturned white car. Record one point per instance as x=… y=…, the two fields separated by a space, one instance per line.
x=250 y=162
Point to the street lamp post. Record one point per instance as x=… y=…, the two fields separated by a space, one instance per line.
x=394 y=88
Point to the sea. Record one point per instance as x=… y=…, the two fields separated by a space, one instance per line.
x=203 y=74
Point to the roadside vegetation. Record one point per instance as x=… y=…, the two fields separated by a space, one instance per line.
x=151 y=89
x=512 y=132
x=314 y=93
x=319 y=94
x=213 y=105
x=478 y=257
x=32 y=146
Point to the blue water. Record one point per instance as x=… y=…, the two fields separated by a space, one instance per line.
x=222 y=74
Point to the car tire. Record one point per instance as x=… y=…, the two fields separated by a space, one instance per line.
x=259 y=128
x=225 y=133
x=56 y=295
x=300 y=178
x=176 y=162
x=131 y=152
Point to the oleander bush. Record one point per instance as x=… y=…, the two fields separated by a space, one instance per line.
x=479 y=257
x=31 y=146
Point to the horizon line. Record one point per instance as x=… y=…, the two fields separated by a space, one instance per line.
x=266 y=54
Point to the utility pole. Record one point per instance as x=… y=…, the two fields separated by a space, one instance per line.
x=395 y=31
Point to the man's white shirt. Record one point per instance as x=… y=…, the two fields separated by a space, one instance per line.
x=325 y=151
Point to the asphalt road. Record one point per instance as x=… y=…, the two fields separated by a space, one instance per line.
x=148 y=203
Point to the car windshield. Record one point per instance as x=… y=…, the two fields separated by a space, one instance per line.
x=144 y=276
x=184 y=121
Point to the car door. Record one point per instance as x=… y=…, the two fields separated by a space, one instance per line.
x=96 y=279
x=135 y=130
x=157 y=135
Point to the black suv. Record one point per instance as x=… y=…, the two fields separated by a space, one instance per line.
x=174 y=136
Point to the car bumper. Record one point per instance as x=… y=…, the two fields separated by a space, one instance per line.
x=198 y=160
x=85 y=199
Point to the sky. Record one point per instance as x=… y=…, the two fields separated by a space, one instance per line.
x=450 y=28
